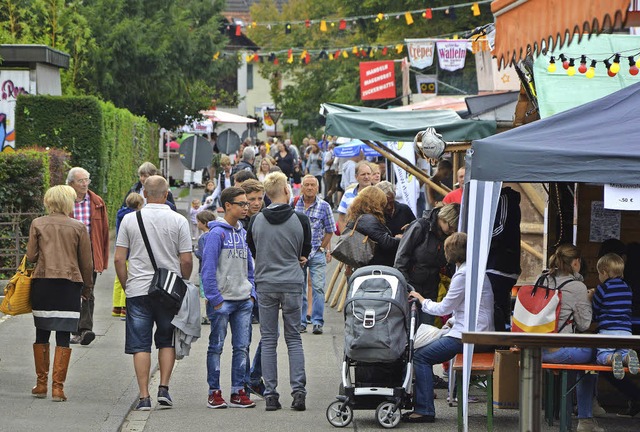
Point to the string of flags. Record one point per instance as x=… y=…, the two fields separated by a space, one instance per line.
x=342 y=23
x=612 y=64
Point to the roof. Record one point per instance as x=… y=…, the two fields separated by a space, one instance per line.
x=24 y=55
x=525 y=24
x=240 y=9
x=591 y=143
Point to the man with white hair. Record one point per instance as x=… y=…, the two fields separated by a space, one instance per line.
x=89 y=209
x=248 y=156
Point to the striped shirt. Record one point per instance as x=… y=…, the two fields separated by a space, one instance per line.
x=321 y=219
x=348 y=197
x=82 y=212
x=612 y=305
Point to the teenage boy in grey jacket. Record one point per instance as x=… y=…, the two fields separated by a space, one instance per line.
x=280 y=241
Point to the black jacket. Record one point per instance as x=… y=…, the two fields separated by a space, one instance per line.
x=504 y=252
x=402 y=215
x=387 y=245
x=420 y=255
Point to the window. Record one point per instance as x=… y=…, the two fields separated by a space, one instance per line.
x=249 y=77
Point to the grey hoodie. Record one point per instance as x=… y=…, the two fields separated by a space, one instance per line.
x=278 y=237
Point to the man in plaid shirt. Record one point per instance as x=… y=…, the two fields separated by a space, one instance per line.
x=322 y=227
x=91 y=211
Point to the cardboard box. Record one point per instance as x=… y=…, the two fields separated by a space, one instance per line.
x=506 y=380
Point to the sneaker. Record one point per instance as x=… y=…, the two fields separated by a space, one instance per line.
x=144 y=404
x=588 y=425
x=317 y=329
x=241 y=400
x=439 y=383
x=76 y=339
x=616 y=366
x=205 y=321
x=596 y=409
x=633 y=408
x=86 y=337
x=631 y=361
x=303 y=328
x=272 y=403
x=164 y=400
x=257 y=389
x=123 y=312
x=298 y=403
x=215 y=400
x=116 y=311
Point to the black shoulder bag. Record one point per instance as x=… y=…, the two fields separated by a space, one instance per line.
x=167 y=287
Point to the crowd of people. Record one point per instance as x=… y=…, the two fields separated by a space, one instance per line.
x=269 y=252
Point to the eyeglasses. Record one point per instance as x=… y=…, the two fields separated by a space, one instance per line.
x=83 y=181
x=240 y=203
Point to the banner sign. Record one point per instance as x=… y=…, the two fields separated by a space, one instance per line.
x=622 y=197
x=427 y=84
x=377 y=80
x=407 y=187
x=421 y=52
x=452 y=54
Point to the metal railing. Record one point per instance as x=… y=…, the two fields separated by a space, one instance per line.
x=14 y=234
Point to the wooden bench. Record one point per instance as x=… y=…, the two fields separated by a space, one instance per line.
x=553 y=369
x=482 y=364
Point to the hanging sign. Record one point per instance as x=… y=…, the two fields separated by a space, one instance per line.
x=421 y=52
x=452 y=54
x=622 y=197
x=427 y=84
x=377 y=80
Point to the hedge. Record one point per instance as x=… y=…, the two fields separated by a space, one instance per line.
x=107 y=141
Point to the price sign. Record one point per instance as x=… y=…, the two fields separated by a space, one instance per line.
x=622 y=197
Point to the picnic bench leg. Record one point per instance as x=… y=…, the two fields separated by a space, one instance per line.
x=530 y=386
x=563 y=400
x=548 y=400
x=459 y=396
x=336 y=295
x=490 y=402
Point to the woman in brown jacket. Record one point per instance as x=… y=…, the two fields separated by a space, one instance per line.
x=61 y=250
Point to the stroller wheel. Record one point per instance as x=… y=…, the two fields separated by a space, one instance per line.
x=388 y=415
x=339 y=415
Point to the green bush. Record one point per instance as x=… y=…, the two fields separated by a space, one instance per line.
x=108 y=142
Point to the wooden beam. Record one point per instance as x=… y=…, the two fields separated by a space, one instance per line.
x=333 y=281
x=528 y=248
x=536 y=200
x=406 y=165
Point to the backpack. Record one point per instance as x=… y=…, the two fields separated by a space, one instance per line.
x=537 y=308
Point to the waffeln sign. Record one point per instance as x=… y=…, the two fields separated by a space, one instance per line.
x=377 y=80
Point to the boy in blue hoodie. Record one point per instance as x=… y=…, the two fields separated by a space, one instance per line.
x=227 y=279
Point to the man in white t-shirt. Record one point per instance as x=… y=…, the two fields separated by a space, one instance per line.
x=170 y=243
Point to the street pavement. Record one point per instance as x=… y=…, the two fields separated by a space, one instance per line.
x=101 y=386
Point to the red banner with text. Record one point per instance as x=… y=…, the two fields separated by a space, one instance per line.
x=377 y=80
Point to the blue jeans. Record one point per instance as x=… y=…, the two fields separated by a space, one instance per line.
x=603 y=353
x=270 y=304
x=424 y=358
x=237 y=315
x=142 y=313
x=317 y=266
x=587 y=384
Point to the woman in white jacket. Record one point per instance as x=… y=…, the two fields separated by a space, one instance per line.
x=443 y=349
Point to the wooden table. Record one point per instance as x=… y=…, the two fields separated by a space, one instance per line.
x=531 y=345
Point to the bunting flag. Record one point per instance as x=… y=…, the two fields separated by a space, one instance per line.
x=421 y=52
x=452 y=54
x=324 y=23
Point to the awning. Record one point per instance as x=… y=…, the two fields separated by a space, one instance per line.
x=523 y=24
x=225 y=117
x=388 y=125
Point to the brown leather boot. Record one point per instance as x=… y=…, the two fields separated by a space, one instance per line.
x=41 y=359
x=60 y=367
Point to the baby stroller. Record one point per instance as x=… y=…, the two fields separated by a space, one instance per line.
x=377 y=368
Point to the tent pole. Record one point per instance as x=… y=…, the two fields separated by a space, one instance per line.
x=405 y=164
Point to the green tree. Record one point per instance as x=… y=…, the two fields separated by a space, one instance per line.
x=155 y=57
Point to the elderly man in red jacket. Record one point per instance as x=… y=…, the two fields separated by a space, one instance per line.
x=91 y=211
